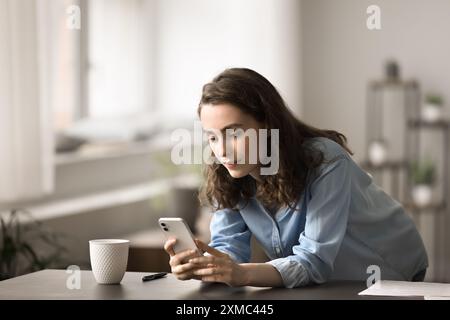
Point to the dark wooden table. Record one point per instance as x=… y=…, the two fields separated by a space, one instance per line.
x=51 y=284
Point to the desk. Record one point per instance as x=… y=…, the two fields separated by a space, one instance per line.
x=51 y=284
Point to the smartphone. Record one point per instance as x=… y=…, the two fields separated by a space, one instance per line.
x=178 y=228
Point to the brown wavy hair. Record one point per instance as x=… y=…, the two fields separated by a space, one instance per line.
x=253 y=94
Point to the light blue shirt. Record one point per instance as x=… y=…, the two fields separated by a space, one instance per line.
x=344 y=224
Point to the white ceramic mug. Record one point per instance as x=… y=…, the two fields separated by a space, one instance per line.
x=109 y=258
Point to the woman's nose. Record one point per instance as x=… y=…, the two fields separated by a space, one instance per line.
x=222 y=148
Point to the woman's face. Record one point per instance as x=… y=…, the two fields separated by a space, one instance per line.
x=229 y=129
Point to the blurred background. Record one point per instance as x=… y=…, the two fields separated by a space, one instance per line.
x=91 y=90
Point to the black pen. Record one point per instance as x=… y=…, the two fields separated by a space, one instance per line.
x=154 y=276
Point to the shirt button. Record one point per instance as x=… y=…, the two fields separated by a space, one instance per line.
x=278 y=250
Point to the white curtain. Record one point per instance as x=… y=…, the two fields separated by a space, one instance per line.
x=26 y=144
x=197 y=39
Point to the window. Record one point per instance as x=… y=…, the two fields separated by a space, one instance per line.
x=100 y=71
x=115 y=57
x=63 y=47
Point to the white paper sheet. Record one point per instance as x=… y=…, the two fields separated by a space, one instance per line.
x=405 y=288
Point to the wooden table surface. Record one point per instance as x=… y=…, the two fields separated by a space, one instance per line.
x=51 y=284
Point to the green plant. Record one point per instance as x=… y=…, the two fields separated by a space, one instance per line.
x=434 y=99
x=423 y=172
x=21 y=235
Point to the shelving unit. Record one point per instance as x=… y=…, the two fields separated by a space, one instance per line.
x=414 y=128
x=440 y=210
x=399 y=171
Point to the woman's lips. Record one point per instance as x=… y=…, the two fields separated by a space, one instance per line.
x=230 y=165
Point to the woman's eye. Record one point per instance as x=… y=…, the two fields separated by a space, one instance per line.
x=235 y=133
x=212 y=139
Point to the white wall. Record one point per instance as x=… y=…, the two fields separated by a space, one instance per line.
x=197 y=39
x=340 y=56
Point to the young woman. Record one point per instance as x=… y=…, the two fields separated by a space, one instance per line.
x=319 y=217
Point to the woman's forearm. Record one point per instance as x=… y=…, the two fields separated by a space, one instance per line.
x=262 y=275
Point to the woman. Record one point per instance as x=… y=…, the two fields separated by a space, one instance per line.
x=319 y=217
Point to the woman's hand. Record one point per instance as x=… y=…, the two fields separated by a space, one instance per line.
x=218 y=267
x=181 y=269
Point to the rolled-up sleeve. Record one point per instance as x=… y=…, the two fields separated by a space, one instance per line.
x=326 y=222
x=230 y=234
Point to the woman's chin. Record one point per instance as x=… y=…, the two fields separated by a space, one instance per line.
x=239 y=171
x=236 y=173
